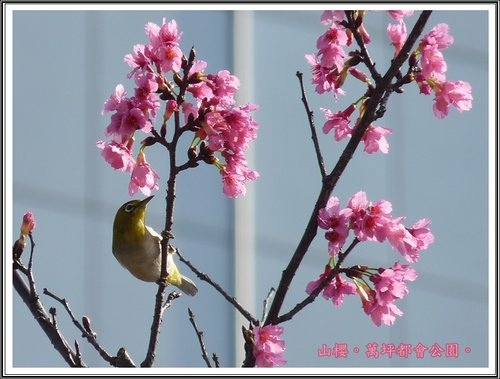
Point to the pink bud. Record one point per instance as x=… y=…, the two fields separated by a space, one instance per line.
x=29 y=223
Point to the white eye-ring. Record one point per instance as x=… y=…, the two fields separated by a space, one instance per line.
x=129 y=208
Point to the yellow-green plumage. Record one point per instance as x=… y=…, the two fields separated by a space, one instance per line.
x=138 y=247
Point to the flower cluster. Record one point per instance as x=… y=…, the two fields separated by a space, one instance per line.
x=331 y=65
x=430 y=76
x=388 y=286
x=370 y=222
x=219 y=126
x=268 y=347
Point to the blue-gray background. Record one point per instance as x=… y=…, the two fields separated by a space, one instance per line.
x=66 y=63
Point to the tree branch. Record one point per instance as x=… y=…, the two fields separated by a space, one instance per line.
x=199 y=334
x=86 y=330
x=331 y=180
x=229 y=298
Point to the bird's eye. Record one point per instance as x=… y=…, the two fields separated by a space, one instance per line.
x=129 y=208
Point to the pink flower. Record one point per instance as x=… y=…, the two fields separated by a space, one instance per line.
x=397 y=34
x=224 y=86
x=329 y=16
x=438 y=37
x=374 y=139
x=235 y=173
x=126 y=120
x=268 y=349
x=410 y=241
x=398 y=15
x=335 y=221
x=456 y=93
x=369 y=221
x=390 y=286
x=145 y=97
x=138 y=60
x=230 y=132
x=402 y=240
x=28 y=224
x=165 y=45
x=114 y=101
x=143 y=177
x=339 y=122
x=433 y=64
x=328 y=63
x=337 y=289
x=432 y=61
x=335 y=35
x=117 y=155
x=385 y=314
x=390 y=283
x=422 y=233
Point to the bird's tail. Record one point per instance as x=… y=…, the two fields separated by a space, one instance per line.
x=187 y=286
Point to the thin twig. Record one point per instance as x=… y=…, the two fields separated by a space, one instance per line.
x=331 y=179
x=215 y=358
x=199 y=334
x=78 y=354
x=310 y=118
x=170 y=298
x=231 y=299
x=87 y=332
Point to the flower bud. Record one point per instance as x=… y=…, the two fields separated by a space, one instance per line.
x=28 y=224
x=148 y=141
x=192 y=54
x=360 y=75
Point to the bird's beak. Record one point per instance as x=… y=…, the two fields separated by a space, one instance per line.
x=144 y=202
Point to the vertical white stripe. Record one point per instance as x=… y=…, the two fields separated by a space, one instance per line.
x=244 y=236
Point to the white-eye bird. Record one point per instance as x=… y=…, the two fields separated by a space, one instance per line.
x=138 y=247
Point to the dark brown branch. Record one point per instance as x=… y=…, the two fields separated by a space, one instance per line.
x=199 y=334
x=155 y=326
x=331 y=180
x=231 y=299
x=310 y=118
x=36 y=308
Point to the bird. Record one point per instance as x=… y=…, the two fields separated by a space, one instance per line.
x=138 y=247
